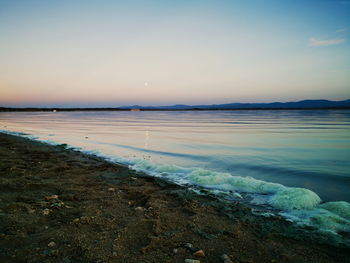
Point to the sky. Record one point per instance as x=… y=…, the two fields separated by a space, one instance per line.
x=106 y=53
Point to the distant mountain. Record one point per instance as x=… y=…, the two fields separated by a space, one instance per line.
x=303 y=104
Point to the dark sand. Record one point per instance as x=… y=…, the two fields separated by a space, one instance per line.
x=106 y=213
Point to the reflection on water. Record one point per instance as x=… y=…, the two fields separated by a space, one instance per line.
x=309 y=149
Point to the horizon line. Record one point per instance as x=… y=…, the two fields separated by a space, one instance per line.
x=179 y=107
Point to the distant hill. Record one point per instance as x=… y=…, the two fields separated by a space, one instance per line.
x=303 y=104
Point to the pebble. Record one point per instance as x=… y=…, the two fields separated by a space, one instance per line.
x=111 y=189
x=226 y=259
x=192 y=261
x=46 y=212
x=175 y=250
x=199 y=253
x=139 y=208
x=51 y=244
x=51 y=197
x=188 y=245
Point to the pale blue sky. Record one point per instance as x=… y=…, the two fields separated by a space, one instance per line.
x=113 y=53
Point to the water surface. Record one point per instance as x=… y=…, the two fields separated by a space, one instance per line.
x=309 y=149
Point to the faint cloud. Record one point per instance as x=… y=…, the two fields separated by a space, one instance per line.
x=314 y=42
x=340 y=30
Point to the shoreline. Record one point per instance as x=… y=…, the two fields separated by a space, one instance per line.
x=60 y=205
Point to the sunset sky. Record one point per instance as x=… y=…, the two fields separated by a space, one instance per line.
x=115 y=53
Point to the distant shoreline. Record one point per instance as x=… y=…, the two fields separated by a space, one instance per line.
x=8 y=109
x=292 y=105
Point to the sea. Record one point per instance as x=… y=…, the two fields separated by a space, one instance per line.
x=294 y=163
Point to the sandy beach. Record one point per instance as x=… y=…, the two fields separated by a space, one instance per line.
x=59 y=205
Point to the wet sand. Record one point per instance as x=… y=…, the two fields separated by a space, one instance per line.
x=59 y=205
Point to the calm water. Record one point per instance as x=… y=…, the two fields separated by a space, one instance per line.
x=308 y=149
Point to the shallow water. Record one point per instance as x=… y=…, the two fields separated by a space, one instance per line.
x=294 y=161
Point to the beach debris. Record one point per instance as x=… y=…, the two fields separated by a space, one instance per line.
x=188 y=260
x=51 y=197
x=226 y=258
x=199 y=253
x=57 y=203
x=53 y=201
x=51 y=244
x=46 y=211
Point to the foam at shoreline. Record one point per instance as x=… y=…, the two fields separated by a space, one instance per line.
x=299 y=205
